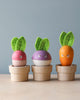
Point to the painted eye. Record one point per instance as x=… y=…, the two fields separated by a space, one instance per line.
x=68 y=56
x=45 y=56
x=39 y=55
x=62 y=55
x=20 y=56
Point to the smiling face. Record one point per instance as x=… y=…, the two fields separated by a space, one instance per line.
x=18 y=55
x=41 y=55
x=66 y=54
x=19 y=58
x=41 y=58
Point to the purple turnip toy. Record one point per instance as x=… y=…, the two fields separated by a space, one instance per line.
x=42 y=60
x=41 y=56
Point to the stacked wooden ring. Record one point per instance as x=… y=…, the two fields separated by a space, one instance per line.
x=66 y=73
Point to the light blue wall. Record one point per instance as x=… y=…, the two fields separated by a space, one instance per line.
x=32 y=18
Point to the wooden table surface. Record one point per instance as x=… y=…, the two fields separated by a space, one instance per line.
x=32 y=90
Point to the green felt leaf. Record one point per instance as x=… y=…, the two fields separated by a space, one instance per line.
x=44 y=44
x=69 y=39
x=37 y=43
x=13 y=43
x=61 y=38
x=21 y=44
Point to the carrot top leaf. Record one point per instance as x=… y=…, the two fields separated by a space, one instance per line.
x=66 y=39
x=61 y=38
x=69 y=39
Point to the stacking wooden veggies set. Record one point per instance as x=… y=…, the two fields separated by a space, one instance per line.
x=42 y=67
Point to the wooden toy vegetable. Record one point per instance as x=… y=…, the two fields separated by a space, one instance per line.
x=18 y=46
x=66 y=70
x=41 y=56
x=66 y=52
x=19 y=70
x=41 y=59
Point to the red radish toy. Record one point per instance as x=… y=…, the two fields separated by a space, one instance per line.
x=19 y=56
x=19 y=70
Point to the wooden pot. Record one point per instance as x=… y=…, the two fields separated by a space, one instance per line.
x=41 y=73
x=66 y=73
x=19 y=73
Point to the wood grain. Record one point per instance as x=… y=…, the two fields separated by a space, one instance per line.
x=41 y=73
x=19 y=73
x=66 y=73
x=32 y=90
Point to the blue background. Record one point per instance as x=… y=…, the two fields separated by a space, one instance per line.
x=33 y=18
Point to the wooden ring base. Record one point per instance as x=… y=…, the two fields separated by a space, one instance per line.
x=19 y=73
x=66 y=73
x=41 y=73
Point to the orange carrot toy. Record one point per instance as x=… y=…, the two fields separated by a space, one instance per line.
x=66 y=52
x=66 y=70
